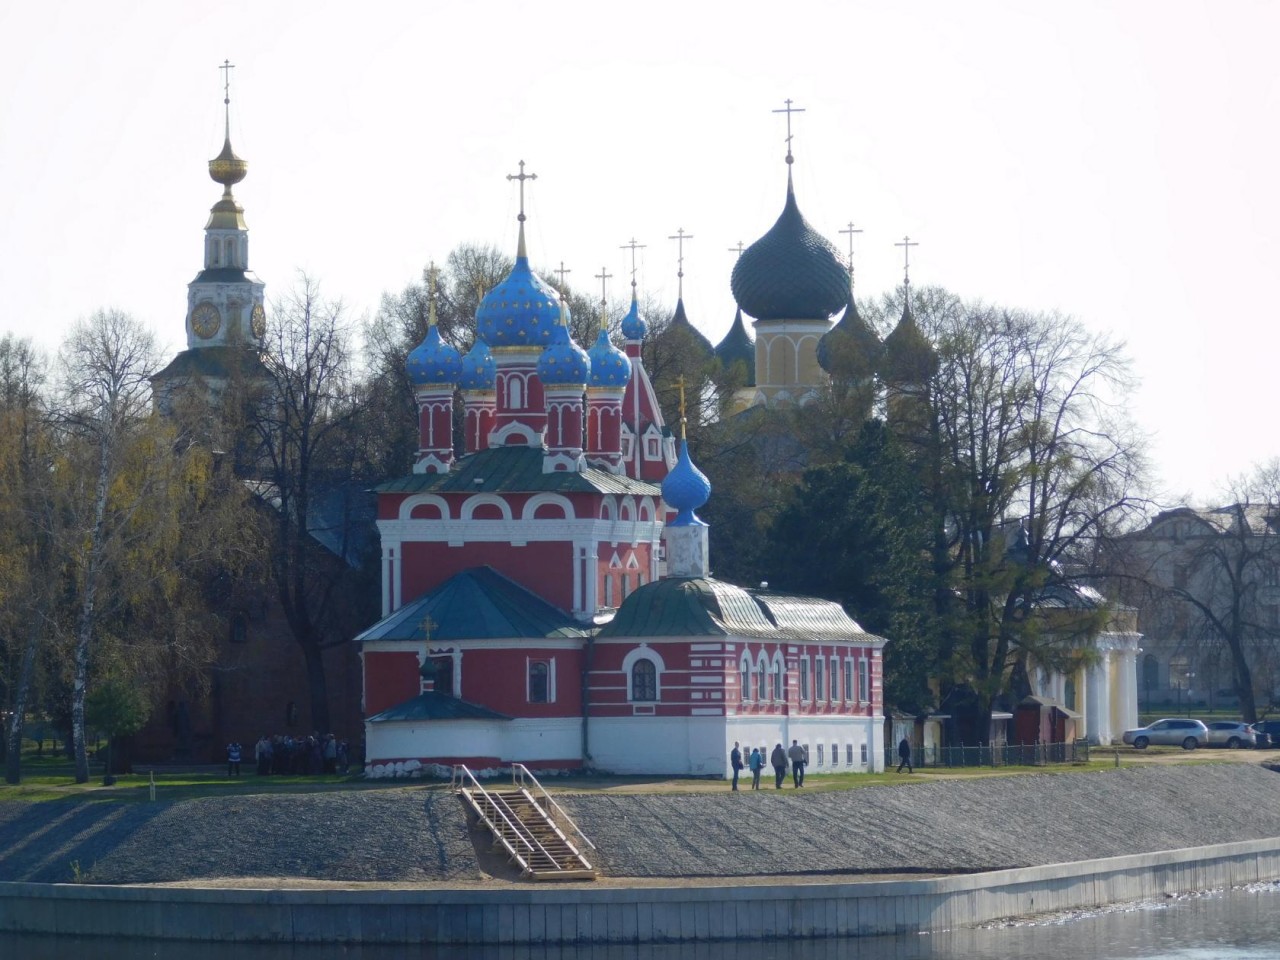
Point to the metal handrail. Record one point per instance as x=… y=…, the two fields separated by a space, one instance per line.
x=519 y=773
x=461 y=774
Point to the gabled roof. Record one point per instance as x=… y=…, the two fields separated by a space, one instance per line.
x=436 y=706
x=476 y=604
x=703 y=606
x=515 y=469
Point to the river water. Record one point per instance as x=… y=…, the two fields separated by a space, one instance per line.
x=1242 y=924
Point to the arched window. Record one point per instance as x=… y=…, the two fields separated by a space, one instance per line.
x=762 y=685
x=777 y=682
x=538 y=686
x=644 y=681
x=515 y=396
x=744 y=685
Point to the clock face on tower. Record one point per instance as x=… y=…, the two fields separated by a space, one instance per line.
x=205 y=320
x=258 y=320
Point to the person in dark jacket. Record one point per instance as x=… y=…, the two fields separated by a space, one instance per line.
x=904 y=755
x=756 y=763
x=735 y=761
x=779 y=760
x=799 y=757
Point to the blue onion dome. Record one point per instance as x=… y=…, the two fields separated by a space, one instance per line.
x=633 y=325
x=909 y=357
x=791 y=273
x=479 y=372
x=850 y=349
x=686 y=488
x=610 y=367
x=433 y=361
x=738 y=347
x=522 y=310
x=563 y=363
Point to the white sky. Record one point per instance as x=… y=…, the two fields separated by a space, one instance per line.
x=1118 y=162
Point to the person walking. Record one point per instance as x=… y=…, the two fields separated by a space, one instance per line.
x=756 y=763
x=904 y=755
x=779 y=760
x=735 y=761
x=799 y=757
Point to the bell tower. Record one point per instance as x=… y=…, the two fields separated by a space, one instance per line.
x=225 y=300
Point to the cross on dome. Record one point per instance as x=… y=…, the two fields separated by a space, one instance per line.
x=737 y=248
x=851 y=230
x=604 y=276
x=633 y=247
x=789 y=110
x=906 y=244
x=680 y=237
x=561 y=272
x=522 y=177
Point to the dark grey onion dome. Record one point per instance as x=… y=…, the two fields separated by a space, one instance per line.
x=909 y=358
x=791 y=273
x=679 y=321
x=850 y=349
x=737 y=346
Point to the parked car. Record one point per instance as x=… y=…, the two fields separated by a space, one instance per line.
x=1232 y=734
x=1267 y=732
x=1172 y=732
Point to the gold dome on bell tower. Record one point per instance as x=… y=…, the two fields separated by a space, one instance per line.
x=227 y=169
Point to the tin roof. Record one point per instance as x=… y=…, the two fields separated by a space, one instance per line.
x=436 y=706
x=476 y=604
x=703 y=606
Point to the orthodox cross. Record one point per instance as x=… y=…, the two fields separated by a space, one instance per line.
x=906 y=244
x=789 y=110
x=633 y=247
x=427 y=625
x=561 y=272
x=226 y=68
x=683 y=418
x=680 y=236
x=851 y=230
x=737 y=248
x=522 y=177
x=604 y=276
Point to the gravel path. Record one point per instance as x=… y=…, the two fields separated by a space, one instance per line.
x=416 y=835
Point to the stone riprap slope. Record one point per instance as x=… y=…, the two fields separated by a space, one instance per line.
x=408 y=835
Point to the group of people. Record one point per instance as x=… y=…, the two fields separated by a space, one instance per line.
x=283 y=753
x=796 y=756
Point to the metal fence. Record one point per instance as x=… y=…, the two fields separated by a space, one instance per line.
x=1002 y=755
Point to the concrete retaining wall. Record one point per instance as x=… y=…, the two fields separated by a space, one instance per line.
x=550 y=914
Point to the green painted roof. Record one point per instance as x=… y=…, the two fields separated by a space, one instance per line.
x=476 y=604
x=515 y=470
x=680 y=607
x=436 y=706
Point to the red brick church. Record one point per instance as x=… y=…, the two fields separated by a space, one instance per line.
x=546 y=596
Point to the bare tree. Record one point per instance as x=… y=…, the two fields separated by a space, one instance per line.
x=303 y=428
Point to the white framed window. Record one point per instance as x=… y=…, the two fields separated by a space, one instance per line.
x=864 y=753
x=762 y=682
x=779 y=669
x=864 y=681
x=819 y=680
x=804 y=678
x=835 y=754
x=835 y=679
x=819 y=754
x=744 y=684
x=540 y=681
x=849 y=754
x=848 y=679
x=644 y=681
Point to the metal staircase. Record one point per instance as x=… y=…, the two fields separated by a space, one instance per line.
x=526 y=822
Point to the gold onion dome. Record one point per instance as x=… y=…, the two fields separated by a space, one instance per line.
x=226 y=168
